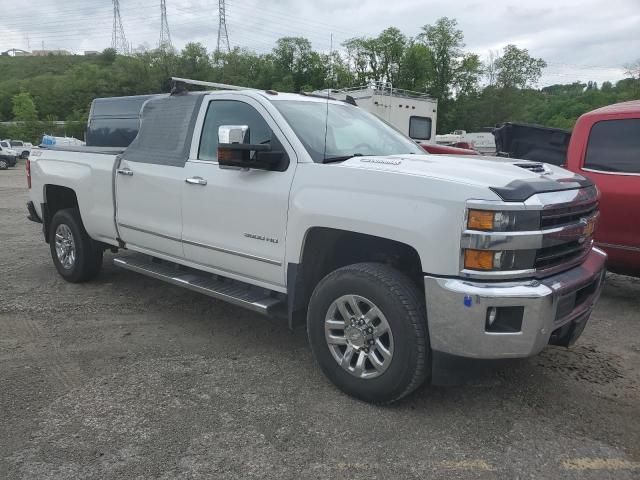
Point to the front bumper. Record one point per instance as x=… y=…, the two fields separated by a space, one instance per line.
x=554 y=309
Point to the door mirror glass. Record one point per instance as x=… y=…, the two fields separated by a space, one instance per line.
x=234 y=151
x=233 y=134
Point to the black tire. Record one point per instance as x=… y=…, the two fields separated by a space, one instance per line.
x=4 y=164
x=403 y=305
x=88 y=254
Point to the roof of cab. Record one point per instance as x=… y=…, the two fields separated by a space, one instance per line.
x=277 y=96
x=624 y=107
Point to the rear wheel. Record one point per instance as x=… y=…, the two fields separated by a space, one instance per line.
x=76 y=256
x=367 y=328
x=4 y=165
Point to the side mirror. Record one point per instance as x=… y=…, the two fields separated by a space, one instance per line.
x=235 y=151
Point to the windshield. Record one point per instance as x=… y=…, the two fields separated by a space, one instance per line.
x=350 y=131
x=4 y=144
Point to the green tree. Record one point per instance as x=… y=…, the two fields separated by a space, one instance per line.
x=390 y=47
x=517 y=69
x=633 y=69
x=413 y=73
x=358 y=59
x=194 y=62
x=445 y=42
x=24 y=109
x=297 y=66
x=450 y=69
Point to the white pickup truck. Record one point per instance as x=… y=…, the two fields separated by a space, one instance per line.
x=399 y=263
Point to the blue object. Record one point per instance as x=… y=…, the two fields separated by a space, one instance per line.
x=468 y=300
x=48 y=140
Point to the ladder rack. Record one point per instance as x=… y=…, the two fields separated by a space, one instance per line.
x=188 y=81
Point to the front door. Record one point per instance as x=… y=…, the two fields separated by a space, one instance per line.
x=234 y=221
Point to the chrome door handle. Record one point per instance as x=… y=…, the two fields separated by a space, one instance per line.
x=125 y=171
x=196 y=181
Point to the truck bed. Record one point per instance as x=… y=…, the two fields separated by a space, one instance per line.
x=89 y=173
x=532 y=142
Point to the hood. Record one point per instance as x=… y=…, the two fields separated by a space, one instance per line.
x=511 y=179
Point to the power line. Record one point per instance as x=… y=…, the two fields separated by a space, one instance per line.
x=223 y=34
x=165 y=36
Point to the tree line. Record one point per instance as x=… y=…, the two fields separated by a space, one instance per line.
x=472 y=92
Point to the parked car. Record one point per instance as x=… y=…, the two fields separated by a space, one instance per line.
x=21 y=148
x=397 y=262
x=604 y=147
x=7 y=156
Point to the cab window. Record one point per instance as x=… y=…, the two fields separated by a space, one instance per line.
x=613 y=146
x=232 y=112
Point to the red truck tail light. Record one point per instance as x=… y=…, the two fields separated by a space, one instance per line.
x=28 y=168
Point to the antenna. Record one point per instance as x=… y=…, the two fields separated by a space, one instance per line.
x=118 y=40
x=326 y=117
x=165 y=36
x=223 y=35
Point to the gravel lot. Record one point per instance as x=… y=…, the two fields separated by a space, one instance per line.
x=127 y=377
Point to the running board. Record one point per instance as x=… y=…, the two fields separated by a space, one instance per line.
x=254 y=298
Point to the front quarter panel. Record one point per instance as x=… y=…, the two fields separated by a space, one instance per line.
x=424 y=213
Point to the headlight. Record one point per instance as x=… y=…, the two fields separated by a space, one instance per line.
x=503 y=221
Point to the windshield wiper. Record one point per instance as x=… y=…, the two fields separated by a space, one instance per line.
x=341 y=158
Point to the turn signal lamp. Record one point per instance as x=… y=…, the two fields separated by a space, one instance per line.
x=480 y=220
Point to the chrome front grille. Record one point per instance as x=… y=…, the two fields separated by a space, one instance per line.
x=574 y=225
x=566 y=215
x=551 y=256
x=558 y=237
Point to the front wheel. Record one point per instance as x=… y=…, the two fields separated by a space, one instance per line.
x=76 y=256
x=367 y=329
x=4 y=164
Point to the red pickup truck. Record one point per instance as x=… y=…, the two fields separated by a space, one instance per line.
x=605 y=147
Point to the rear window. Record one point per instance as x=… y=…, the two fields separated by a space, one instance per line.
x=420 y=128
x=122 y=107
x=614 y=146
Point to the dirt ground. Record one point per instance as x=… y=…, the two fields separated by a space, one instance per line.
x=127 y=377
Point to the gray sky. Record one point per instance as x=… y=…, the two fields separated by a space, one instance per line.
x=580 y=39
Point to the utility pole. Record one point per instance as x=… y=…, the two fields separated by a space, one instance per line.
x=223 y=35
x=118 y=40
x=165 y=36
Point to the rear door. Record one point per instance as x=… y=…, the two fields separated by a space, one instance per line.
x=151 y=174
x=148 y=199
x=612 y=161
